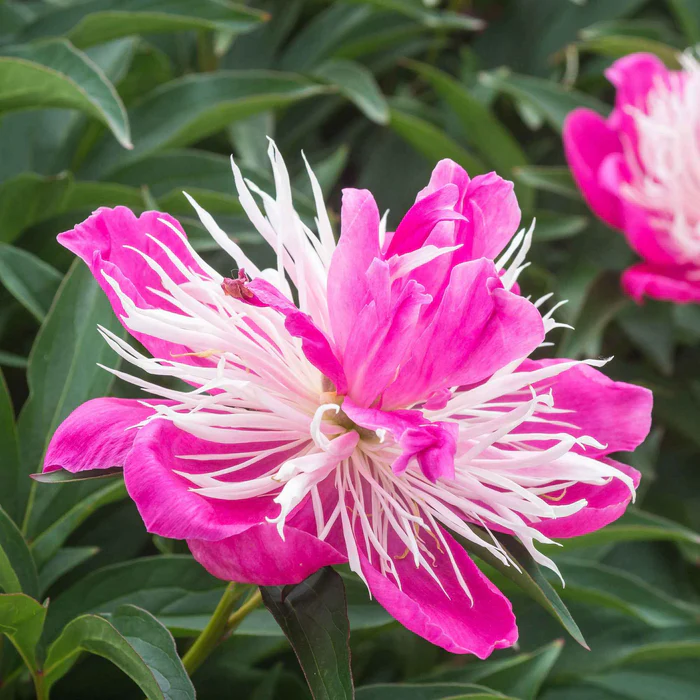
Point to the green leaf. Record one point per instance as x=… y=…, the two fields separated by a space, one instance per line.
x=92 y=195
x=10 y=469
x=9 y=359
x=61 y=476
x=356 y=83
x=55 y=74
x=170 y=172
x=623 y=45
x=688 y=15
x=529 y=579
x=29 y=198
x=521 y=676
x=167 y=174
x=650 y=328
x=213 y=100
x=633 y=526
x=553 y=226
x=552 y=100
x=321 y=35
x=87 y=24
x=556 y=179
x=643 y=685
x=612 y=588
x=313 y=616
x=48 y=542
x=481 y=129
x=604 y=302
x=426 y=691
x=434 y=19
x=65 y=560
x=156 y=646
x=662 y=651
x=29 y=279
x=134 y=641
x=22 y=621
x=617 y=641
x=166 y=586
x=63 y=372
x=17 y=568
x=432 y=142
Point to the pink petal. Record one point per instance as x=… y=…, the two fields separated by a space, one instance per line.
x=633 y=76
x=454 y=623
x=616 y=414
x=444 y=173
x=377 y=344
x=493 y=215
x=358 y=246
x=478 y=328
x=588 y=141
x=168 y=505
x=658 y=282
x=605 y=505
x=415 y=227
x=314 y=343
x=643 y=235
x=260 y=556
x=101 y=242
x=96 y=435
x=433 y=445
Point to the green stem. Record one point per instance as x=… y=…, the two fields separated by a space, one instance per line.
x=40 y=688
x=206 y=58
x=222 y=623
x=214 y=632
x=237 y=617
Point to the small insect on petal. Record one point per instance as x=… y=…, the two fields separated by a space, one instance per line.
x=237 y=288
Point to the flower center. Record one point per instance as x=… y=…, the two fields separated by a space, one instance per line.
x=343 y=420
x=666 y=162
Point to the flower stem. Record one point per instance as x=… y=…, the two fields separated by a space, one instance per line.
x=214 y=632
x=40 y=686
x=237 y=617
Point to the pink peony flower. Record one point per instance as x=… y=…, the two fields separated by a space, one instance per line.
x=384 y=403
x=639 y=171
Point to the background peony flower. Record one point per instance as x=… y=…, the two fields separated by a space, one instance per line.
x=639 y=171
x=383 y=404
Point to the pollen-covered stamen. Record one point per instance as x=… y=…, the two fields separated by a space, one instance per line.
x=665 y=161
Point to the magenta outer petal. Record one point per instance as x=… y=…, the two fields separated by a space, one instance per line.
x=633 y=76
x=492 y=211
x=646 y=238
x=166 y=501
x=658 y=282
x=452 y=623
x=444 y=173
x=489 y=205
x=101 y=242
x=377 y=344
x=260 y=556
x=616 y=414
x=605 y=505
x=588 y=141
x=358 y=246
x=640 y=229
x=96 y=435
x=419 y=221
x=478 y=328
